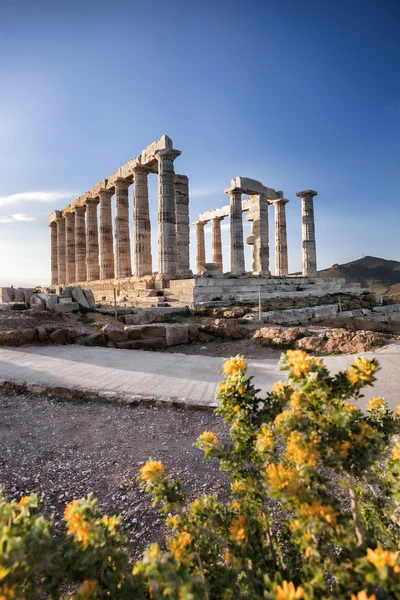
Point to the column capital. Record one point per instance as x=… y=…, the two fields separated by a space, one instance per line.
x=103 y=192
x=79 y=208
x=167 y=154
x=234 y=190
x=281 y=201
x=59 y=219
x=200 y=223
x=217 y=218
x=141 y=169
x=307 y=193
x=121 y=182
x=90 y=200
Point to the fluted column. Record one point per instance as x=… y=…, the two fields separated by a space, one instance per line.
x=217 y=241
x=142 y=259
x=308 y=233
x=106 y=235
x=80 y=244
x=236 y=227
x=200 y=246
x=281 y=249
x=260 y=234
x=92 y=240
x=70 y=246
x=61 y=251
x=123 y=267
x=182 y=224
x=167 y=245
x=53 y=253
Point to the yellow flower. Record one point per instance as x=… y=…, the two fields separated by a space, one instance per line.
x=301 y=363
x=289 y=592
x=265 y=439
x=343 y=448
x=8 y=593
x=376 y=403
x=237 y=487
x=88 y=588
x=153 y=551
x=228 y=556
x=235 y=505
x=396 y=452
x=361 y=371
x=209 y=440
x=279 y=388
x=173 y=521
x=303 y=451
x=363 y=596
x=238 y=529
x=234 y=366
x=282 y=478
x=316 y=509
x=381 y=558
x=398 y=411
x=152 y=471
x=349 y=407
x=286 y=415
x=296 y=400
x=365 y=434
x=295 y=525
x=179 y=546
x=70 y=509
x=80 y=527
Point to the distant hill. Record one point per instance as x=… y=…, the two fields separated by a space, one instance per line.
x=382 y=276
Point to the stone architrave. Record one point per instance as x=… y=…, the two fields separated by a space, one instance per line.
x=106 y=235
x=123 y=267
x=200 y=246
x=217 y=242
x=92 y=240
x=80 y=244
x=167 y=244
x=142 y=259
x=182 y=224
x=53 y=253
x=308 y=233
x=61 y=261
x=70 y=246
x=236 y=227
x=260 y=234
x=281 y=249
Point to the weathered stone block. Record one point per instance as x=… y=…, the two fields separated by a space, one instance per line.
x=58 y=337
x=66 y=308
x=51 y=301
x=79 y=296
x=134 y=332
x=37 y=302
x=177 y=334
x=114 y=333
x=89 y=297
x=17 y=337
x=153 y=343
x=154 y=331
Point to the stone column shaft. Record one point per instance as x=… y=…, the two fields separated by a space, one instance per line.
x=70 y=246
x=106 y=235
x=281 y=250
x=217 y=242
x=142 y=258
x=61 y=261
x=200 y=246
x=80 y=244
x=92 y=240
x=182 y=224
x=53 y=253
x=167 y=245
x=308 y=233
x=260 y=234
x=123 y=267
x=236 y=226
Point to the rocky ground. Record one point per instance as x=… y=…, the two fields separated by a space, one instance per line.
x=64 y=450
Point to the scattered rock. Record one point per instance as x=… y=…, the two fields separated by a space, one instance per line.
x=225 y=328
x=176 y=334
x=79 y=296
x=58 y=336
x=115 y=333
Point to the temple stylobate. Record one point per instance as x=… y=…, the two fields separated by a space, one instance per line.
x=85 y=247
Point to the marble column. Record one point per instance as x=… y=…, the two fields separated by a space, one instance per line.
x=70 y=246
x=123 y=267
x=53 y=253
x=308 y=233
x=236 y=227
x=281 y=250
x=260 y=234
x=167 y=245
x=200 y=246
x=217 y=242
x=142 y=259
x=182 y=224
x=61 y=261
x=80 y=244
x=106 y=235
x=92 y=240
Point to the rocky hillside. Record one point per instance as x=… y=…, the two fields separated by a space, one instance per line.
x=382 y=276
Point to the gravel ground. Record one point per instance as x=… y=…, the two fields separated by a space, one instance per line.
x=63 y=449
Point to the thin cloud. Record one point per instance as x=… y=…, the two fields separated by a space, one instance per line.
x=6 y=220
x=35 y=197
x=23 y=217
x=197 y=192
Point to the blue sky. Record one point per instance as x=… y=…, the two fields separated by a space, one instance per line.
x=296 y=94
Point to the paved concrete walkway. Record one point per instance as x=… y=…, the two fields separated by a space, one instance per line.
x=194 y=378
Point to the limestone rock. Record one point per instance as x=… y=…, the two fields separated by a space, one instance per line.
x=134 y=332
x=79 y=296
x=17 y=337
x=177 y=334
x=58 y=336
x=115 y=333
x=334 y=341
x=280 y=335
x=89 y=297
x=142 y=317
x=225 y=328
x=37 y=302
x=154 y=343
x=66 y=308
x=96 y=338
x=154 y=331
x=193 y=332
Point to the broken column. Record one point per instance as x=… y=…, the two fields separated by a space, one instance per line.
x=106 y=235
x=260 y=234
x=92 y=240
x=123 y=267
x=308 y=233
x=53 y=253
x=80 y=244
x=281 y=250
x=236 y=227
x=142 y=259
x=70 y=246
x=182 y=224
x=200 y=246
x=61 y=264
x=217 y=242
x=167 y=244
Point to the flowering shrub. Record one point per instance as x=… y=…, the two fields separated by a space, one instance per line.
x=313 y=510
